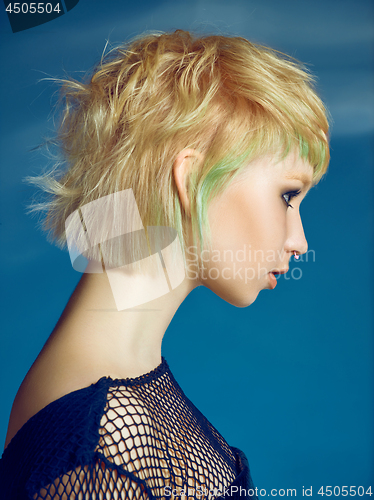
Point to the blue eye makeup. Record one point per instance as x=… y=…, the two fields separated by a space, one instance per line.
x=287 y=197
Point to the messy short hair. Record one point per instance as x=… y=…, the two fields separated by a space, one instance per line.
x=230 y=99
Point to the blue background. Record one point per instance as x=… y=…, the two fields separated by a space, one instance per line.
x=289 y=379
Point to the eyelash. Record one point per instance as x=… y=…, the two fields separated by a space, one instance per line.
x=290 y=194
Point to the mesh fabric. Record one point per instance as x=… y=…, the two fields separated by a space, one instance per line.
x=135 y=438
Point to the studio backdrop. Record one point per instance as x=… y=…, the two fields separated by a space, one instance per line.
x=289 y=379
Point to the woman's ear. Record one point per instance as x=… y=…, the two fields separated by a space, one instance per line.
x=183 y=165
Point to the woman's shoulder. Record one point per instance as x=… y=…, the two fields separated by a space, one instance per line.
x=53 y=386
x=75 y=429
x=47 y=381
x=47 y=397
x=59 y=440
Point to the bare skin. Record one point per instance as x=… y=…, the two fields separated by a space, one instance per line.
x=91 y=340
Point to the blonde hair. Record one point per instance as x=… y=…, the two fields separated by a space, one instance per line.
x=228 y=98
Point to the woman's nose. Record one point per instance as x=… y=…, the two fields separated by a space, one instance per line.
x=296 y=240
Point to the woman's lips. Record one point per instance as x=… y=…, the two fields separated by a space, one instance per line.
x=273 y=280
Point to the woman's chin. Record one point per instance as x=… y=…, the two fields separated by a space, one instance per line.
x=242 y=301
x=236 y=296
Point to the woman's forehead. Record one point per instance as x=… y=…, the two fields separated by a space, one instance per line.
x=291 y=167
x=296 y=168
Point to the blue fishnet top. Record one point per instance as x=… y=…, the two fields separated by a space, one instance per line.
x=138 y=438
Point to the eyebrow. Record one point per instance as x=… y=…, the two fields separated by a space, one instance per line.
x=306 y=179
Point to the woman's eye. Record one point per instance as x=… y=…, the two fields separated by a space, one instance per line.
x=287 y=197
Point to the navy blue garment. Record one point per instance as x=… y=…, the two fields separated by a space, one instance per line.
x=138 y=438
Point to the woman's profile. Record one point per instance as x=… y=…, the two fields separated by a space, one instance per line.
x=180 y=152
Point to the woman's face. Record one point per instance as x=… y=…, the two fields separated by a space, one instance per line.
x=256 y=226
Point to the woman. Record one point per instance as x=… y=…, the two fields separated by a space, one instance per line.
x=181 y=151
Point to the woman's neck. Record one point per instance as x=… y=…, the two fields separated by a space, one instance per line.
x=124 y=343
x=93 y=339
